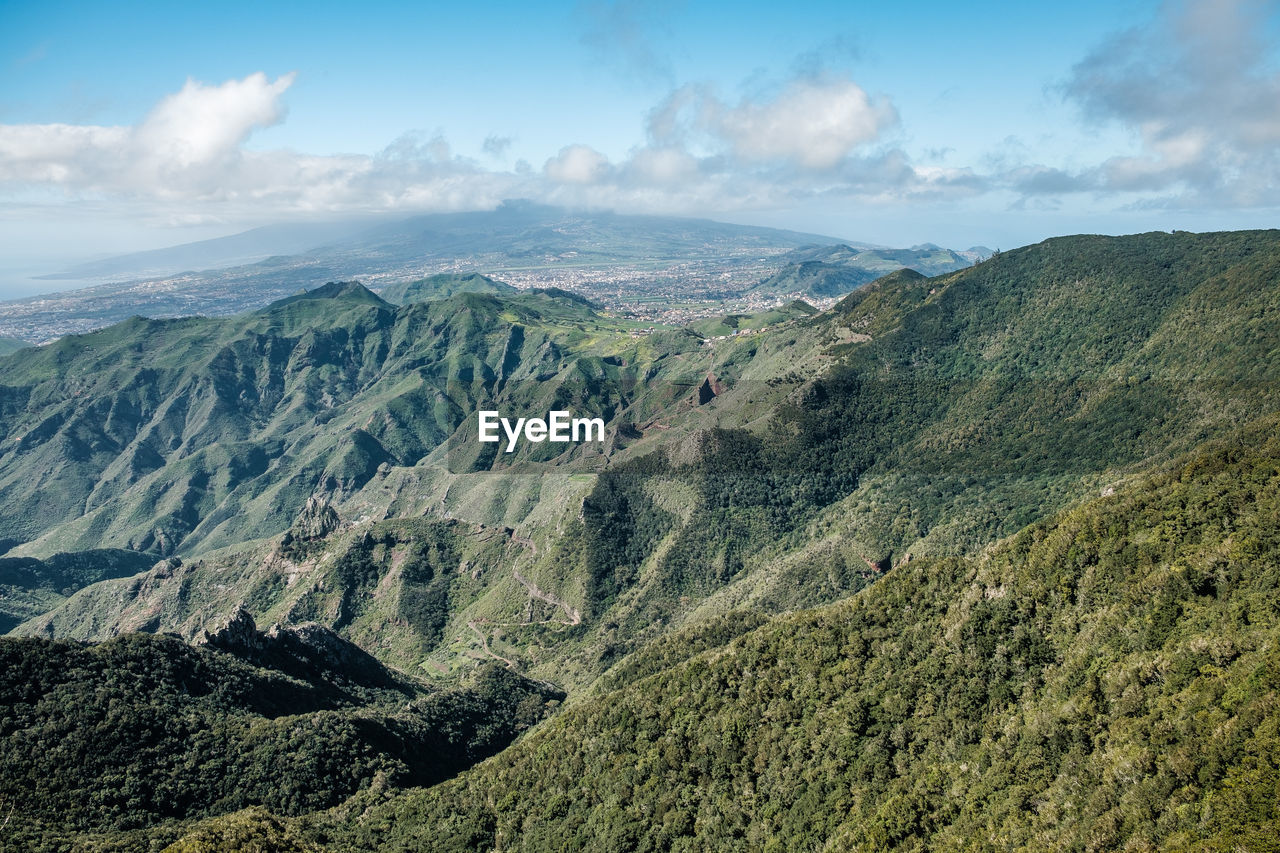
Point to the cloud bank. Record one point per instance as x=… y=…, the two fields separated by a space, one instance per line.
x=814 y=136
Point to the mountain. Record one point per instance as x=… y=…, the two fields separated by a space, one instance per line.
x=247 y=247
x=442 y=286
x=834 y=270
x=816 y=278
x=30 y=587
x=158 y=434
x=393 y=586
x=736 y=324
x=109 y=737
x=926 y=258
x=175 y=436
x=551 y=244
x=8 y=345
x=520 y=232
x=776 y=470
x=984 y=557
x=1106 y=677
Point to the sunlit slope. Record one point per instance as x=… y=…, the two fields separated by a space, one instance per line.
x=954 y=411
x=181 y=435
x=1107 y=678
x=442 y=286
x=775 y=470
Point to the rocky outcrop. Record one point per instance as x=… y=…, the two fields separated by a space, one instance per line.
x=238 y=635
x=309 y=651
x=317 y=520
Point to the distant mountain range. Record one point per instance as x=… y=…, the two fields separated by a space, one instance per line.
x=247 y=247
x=517 y=232
x=624 y=257
x=834 y=270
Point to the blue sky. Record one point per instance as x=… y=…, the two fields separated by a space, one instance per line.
x=127 y=126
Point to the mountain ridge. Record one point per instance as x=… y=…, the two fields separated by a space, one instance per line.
x=986 y=558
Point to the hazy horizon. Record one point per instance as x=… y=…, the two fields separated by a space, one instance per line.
x=994 y=124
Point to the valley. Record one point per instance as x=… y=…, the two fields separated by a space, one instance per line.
x=974 y=554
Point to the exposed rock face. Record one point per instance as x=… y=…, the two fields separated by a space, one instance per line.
x=317 y=520
x=319 y=647
x=238 y=635
x=166 y=568
x=309 y=651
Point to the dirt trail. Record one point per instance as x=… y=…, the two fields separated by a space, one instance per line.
x=484 y=644
x=575 y=618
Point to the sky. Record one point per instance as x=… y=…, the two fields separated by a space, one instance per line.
x=128 y=126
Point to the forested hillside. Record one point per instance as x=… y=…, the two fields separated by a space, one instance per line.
x=1107 y=679
x=174 y=436
x=985 y=560
x=143 y=729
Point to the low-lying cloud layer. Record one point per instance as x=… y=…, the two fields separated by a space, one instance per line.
x=814 y=136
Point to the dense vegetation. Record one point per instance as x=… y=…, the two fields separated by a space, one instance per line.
x=973 y=404
x=174 y=436
x=29 y=587
x=835 y=270
x=145 y=728
x=442 y=286
x=8 y=345
x=989 y=679
x=1106 y=679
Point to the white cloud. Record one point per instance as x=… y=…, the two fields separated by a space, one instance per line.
x=577 y=164
x=187 y=146
x=186 y=161
x=183 y=147
x=201 y=124
x=662 y=165
x=1199 y=90
x=187 y=158
x=815 y=123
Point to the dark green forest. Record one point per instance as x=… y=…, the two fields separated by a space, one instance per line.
x=1106 y=679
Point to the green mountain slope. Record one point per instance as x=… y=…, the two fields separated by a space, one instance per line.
x=392 y=587
x=731 y=324
x=1103 y=679
x=442 y=286
x=178 y=435
x=30 y=587
x=1107 y=679
x=815 y=278
x=964 y=408
x=945 y=413
x=8 y=345
x=825 y=271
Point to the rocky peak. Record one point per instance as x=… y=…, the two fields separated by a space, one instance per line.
x=239 y=633
x=317 y=520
